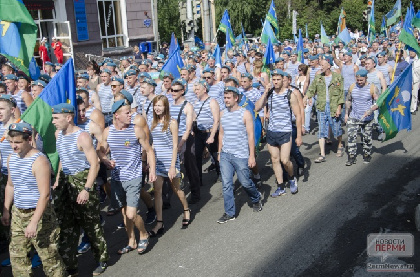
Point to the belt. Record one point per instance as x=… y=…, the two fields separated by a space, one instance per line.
x=26 y=210
x=107 y=113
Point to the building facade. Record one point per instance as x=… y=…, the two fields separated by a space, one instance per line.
x=92 y=28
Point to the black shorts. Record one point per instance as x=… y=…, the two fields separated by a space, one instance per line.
x=278 y=138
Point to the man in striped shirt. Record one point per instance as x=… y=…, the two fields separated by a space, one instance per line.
x=236 y=153
x=33 y=221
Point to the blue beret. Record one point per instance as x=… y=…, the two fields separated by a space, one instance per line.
x=133 y=67
x=204 y=84
x=362 y=73
x=314 y=57
x=329 y=59
x=161 y=56
x=11 y=77
x=227 y=67
x=168 y=75
x=127 y=96
x=111 y=64
x=373 y=59
x=12 y=66
x=208 y=70
x=305 y=50
x=22 y=127
x=123 y=58
x=49 y=63
x=144 y=62
x=285 y=74
x=106 y=60
x=117 y=105
x=83 y=76
x=295 y=52
x=277 y=72
x=179 y=81
x=144 y=75
x=130 y=72
x=8 y=97
x=23 y=76
x=211 y=58
x=106 y=70
x=82 y=89
x=381 y=54
x=39 y=83
x=149 y=81
x=362 y=57
x=255 y=85
x=347 y=54
x=62 y=108
x=44 y=77
x=117 y=79
x=233 y=89
x=231 y=78
x=247 y=75
x=286 y=52
x=58 y=64
x=279 y=59
x=100 y=63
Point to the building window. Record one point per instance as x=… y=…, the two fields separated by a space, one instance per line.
x=110 y=20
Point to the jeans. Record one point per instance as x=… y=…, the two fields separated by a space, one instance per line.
x=308 y=110
x=228 y=165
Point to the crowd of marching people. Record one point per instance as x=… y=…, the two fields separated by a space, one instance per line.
x=139 y=127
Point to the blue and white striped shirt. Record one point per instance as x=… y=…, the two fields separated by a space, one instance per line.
x=361 y=101
x=163 y=145
x=126 y=152
x=280 y=113
x=235 y=137
x=105 y=97
x=174 y=111
x=205 y=118
x=25 y=187
x=72 y=159
x=5 y=149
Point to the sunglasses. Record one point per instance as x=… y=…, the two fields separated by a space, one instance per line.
x=114 y=86
x=207 y=78
x=177 y=90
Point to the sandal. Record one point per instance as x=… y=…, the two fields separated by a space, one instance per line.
x=320 y=159
x=340 y=152
x=186 y=222
x=125 y=250
x=142 y=246
x=160 y=231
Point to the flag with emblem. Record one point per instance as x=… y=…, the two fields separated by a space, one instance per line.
x=269 y=55
x=272 y=18
x=226 y=27
x=383 y=27
x=173 y=65
x=299 y=48
x=394 y=15
x=394 y=105
x=407 y=33
x=416 y=20
x=324 y=38
x=61 y=89
x=17 y=33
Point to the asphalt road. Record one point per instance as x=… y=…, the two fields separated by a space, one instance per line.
x=321 y=231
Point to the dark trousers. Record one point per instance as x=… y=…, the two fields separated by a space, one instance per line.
x=200 y=143
x=191 y=168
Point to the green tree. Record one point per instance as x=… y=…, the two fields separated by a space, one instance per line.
x=168 y=19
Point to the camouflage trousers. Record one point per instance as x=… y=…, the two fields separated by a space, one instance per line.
x=4 y=230
x=353 y=126
x=45 y=243
x=72 y=216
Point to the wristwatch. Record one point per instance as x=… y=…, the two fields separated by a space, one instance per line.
x=88 y=189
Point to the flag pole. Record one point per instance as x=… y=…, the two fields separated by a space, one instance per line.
x=215 y=37
x=397 y=57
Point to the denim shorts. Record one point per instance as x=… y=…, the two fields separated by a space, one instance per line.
x=325 y=121
x=125 y=193
x=278 y=138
